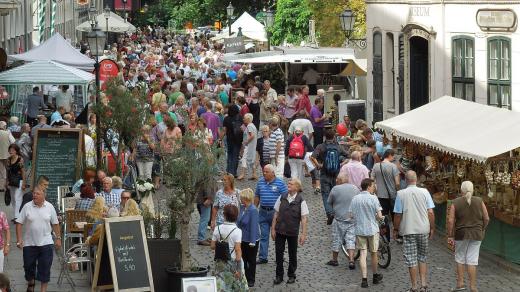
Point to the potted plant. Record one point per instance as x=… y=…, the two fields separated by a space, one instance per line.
x=163 y=248
x=186 y=171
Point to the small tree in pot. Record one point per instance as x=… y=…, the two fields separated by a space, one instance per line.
x=188 y=170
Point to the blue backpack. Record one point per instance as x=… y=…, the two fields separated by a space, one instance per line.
x=331 y=163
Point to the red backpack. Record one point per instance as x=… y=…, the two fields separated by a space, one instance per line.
x=296 y=148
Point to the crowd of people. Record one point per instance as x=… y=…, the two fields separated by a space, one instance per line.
x=284 y=137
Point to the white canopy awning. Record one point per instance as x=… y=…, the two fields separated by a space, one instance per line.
x=357 y=67
x=466 y=129
x=300 y=55
x=57 y=49
x=45 y=72
x=115 y=24
x=251 y=29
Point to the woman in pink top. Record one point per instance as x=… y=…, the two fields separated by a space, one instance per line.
x=5 y=239
x=171 y=135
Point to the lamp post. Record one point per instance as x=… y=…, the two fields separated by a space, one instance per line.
x=106 y=13
x=96 y=41
x=230 y=10
x=124 y=9
x=347 y=19
x=269 y=21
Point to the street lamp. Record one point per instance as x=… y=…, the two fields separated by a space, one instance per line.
x=96 y=42
x=106 y=13
x=347 y=19
x=269 y=21
x=230 y=10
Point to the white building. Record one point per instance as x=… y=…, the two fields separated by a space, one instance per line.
x=15 y=25
x=421 y=50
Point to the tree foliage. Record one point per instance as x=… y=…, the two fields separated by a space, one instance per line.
x=122 y=115
x=328 y=27
x=187 y=171
x=291 y=22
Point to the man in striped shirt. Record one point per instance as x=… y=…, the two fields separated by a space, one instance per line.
x=276 y=147
x=268 y=189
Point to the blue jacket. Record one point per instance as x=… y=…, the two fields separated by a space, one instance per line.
x=248 y=223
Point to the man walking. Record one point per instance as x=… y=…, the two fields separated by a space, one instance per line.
x=343 y=226
x=6 y=139
x=327 y=158
x=355 y=170
x=268 y=189
x=415 y=221
x=34 y=102
x=39 y=220
x=366 y=211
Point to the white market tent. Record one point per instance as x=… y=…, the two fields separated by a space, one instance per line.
x=115 y=24
x=466 y=129
x=59 y=50
x=251 y=29
x=298 y=55
x=19 y=80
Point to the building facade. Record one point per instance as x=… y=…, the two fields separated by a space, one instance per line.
x=421 y=50
x=16 y=25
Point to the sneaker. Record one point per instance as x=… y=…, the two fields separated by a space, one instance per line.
x=332 y=263
x=364 y=283
x=261 y=262
x=377 y=278
x=277 y=280
x=291 y=280
x=459 y=289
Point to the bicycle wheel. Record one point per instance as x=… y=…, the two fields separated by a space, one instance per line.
x=384 y=254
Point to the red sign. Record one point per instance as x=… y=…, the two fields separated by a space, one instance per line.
x=123 y=5
x=107 y=69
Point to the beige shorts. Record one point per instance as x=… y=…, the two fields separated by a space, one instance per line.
x=368 y=242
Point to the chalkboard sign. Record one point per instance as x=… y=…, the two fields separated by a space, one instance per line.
x=128 y=253
x=57 y=155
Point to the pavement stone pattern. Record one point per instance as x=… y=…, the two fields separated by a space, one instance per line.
x=312 y=273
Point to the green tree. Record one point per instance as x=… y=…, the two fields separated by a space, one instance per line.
x=291 y=21
x=328 y=27
x=122 y=116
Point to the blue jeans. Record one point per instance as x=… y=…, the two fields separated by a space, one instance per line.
x=37 y=262
x=205 y=213
x=265 y=220
x=326 y=184
x=233 y=150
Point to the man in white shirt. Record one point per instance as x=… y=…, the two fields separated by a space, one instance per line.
x=303 y=123
x=39 y=220
x=311 y=79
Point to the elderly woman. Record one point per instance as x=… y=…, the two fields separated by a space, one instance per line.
x=249 y=142
x=290 y=210
x=248 y=223
x=295 y=149
x=225 y=196
x=467 y=222
x=230 y=276
x=143 y=153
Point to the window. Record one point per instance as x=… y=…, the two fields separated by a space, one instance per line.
x=377 y=75
x=390 y=69
x=463 y=68
x=499 y=72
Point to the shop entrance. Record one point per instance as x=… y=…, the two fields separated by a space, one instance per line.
x=419 y=87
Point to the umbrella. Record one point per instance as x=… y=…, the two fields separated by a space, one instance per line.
x=115 y=24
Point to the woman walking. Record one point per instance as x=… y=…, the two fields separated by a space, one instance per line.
x=225 y=196
x=290 y=210
x=467 y=222
x=143 y=154
x=296 y=148
x=249 y=143
x=248 y=223
x=229 y=271
x=15 y=177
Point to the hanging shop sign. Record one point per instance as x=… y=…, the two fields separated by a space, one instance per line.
x=496 y=20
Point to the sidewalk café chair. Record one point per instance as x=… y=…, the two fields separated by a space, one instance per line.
x=71 y=229
x=76 y=254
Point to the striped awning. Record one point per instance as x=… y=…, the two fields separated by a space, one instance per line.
x=45 y=72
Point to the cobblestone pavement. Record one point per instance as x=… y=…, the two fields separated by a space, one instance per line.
x=313 y=275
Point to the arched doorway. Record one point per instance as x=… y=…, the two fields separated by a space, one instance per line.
x=419 y=69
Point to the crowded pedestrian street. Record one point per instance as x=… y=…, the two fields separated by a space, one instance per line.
x=188 y=146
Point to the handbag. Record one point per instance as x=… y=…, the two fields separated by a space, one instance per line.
x=7 y=197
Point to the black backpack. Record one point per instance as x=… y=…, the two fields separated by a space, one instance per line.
x=222 y=247
x=236 y=126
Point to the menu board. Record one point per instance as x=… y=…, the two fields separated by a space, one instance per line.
x=57 y=155
x=128 y=253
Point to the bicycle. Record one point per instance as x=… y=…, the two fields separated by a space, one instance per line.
x=384 y=253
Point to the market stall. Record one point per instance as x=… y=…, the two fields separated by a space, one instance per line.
x=450 y=140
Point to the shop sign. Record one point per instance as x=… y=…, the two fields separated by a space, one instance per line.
x=496 y=19
x=419 y=11
x=233 y=45
x=107 y=69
